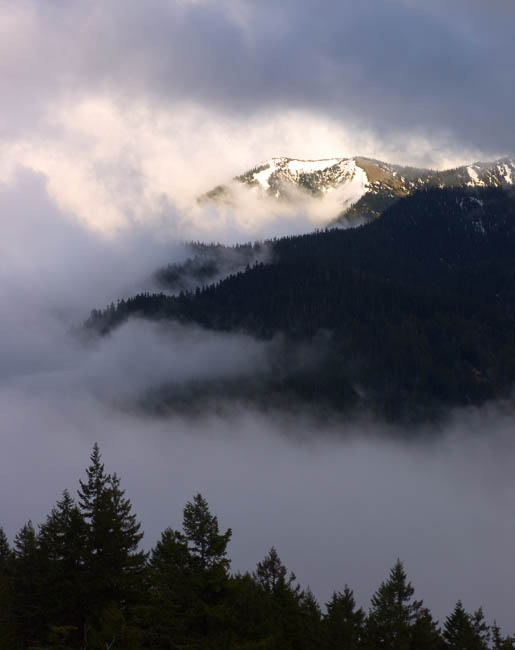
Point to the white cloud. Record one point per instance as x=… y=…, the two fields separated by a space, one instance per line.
x=115 y=164
x=131 y=112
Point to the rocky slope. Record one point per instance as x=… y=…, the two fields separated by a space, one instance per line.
x=362 y=187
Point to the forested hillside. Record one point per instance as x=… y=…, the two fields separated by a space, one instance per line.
x=410 y=314
x=82 y=580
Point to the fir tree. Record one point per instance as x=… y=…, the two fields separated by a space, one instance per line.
x=5 y=550
x=207 y=614
x=170 y=591
x=283 y=601
x=27 y=606
x=114 y=565
x=189 y=582
x=272 y=576
x=310 y=620
x=6 y=558
x=343 y=624
x=395 y=616
x=499 y=642
x=461 y=631
x=62 y=541
x=201 y=532
x=481 y=629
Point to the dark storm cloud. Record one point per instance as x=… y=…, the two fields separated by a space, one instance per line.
x=390 y=66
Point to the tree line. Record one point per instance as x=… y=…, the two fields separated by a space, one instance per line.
x=81 y=581
x=417 y=309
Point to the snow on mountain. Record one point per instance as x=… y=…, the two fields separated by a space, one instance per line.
x=359 y=188
x=278 y=175
x=474 y=178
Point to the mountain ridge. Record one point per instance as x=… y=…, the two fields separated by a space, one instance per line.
x=407 y=315
x=364 y=187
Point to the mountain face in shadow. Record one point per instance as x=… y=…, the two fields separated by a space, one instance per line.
x=406 y=316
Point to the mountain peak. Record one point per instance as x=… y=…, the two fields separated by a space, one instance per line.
x=361 y=187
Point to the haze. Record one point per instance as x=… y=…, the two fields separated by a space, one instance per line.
x=114 y=118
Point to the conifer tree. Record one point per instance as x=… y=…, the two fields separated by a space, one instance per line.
x=481 y=628
x=189 y=581
x=272 y=576
x=249 y=606
x=343 y=624
x=170 y=592
x=395 y=616
x=283 y=601
x=209 y=577
x=171 y=554
x=5 y=550
x=62 y=541
x=81 y=582
x=114 y=565
x=462 y=631
x=499 y=642
x=205 y=542
x=310 y=618
x=27 y=605
x=6 y=557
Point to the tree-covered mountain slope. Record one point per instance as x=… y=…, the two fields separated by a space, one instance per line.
x=410 y=313
x=208 y=263
x=363 y=187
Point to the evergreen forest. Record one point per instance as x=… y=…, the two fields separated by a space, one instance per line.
x=81 y=581
x=404 y=317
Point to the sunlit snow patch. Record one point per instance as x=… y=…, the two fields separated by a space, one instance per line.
x=474 y=178
x=263 y=177
x=341 y=177
x=508 y=173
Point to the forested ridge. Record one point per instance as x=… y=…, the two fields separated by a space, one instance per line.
x=81 y=581
x=416 y=310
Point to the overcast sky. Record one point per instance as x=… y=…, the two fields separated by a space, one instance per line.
x=114 y=117
x=132 y=109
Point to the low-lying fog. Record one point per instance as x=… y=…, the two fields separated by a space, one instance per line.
x=339 y=504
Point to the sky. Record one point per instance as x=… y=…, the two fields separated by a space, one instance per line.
x=114 y=118
x=130 y=111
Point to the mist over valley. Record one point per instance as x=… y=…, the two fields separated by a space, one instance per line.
x=318 y=354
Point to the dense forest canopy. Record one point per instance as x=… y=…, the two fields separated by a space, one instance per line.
x=82 y=580
x=409 y=315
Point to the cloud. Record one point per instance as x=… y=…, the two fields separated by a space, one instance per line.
x=390 y=67
x=53 y=264
x=115 y=166
x=131 y=112
x=115 y=117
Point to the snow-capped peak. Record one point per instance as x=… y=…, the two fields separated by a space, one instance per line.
x=359 y=188
x=279 y=176
x=330 y=170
